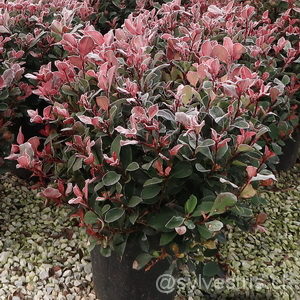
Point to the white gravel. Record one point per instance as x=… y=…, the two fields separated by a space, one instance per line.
x=43 y=253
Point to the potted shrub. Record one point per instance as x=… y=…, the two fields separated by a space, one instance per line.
x=157 y=134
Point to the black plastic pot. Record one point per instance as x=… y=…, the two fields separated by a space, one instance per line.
x=115 y=280
x=290 y=152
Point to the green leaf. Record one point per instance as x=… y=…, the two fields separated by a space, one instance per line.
x=150 y=192
x=152 y=181
x=133 y=217
x=77 y=165
x=3 y=106
x=174 y=222
x=90 y=217
x=204 y=232
x=285 y=80
x=222 y=202
x=189 y=224
x=4 y=94
x=205 y=150
x=207 y=143
x=214 y=225
x=242 y=211
x=222 y=151
x=67 y=90
x=111 y=178
x=132 y=167
x=166 y=238
x=159 y=220
x=106 y=252
x=241 y=124
x=200 y=168
x=204 y=207
x=187 y=94
x=134 y=201
x=211 y=269
x=182 y=169
x=116 y=146
x=114 y=214
x=141 y=261
x=190 y=204
x=98 y=186
x=244 y=148
x=248 y=192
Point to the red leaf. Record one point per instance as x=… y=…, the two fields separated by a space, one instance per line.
x=76 y=61
x=86 y=45
x=261 y=218
x=103 y=102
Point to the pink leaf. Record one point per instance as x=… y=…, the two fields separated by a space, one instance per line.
x=206 y=48
x=23 y=161
x=2 y=83
x=129 y=26
x=175 y=149
x=97 y=36
x=192 y=77
x=50 y=192
x=228 y=44
x=238 y=50
x=20 y=137
x=128 y=142
x=110 y=76
x=221 y=53
x=251 y=171
x=35 y=142
x=152 y=111
x=86 y=45
x=85 y=120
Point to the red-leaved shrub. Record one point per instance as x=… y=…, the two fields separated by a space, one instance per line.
x=162 y=128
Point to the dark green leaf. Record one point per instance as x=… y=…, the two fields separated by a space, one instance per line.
x=152 y=181
x=190 y=204
x=166 y=238
x=174 y=222
x=134 y=201
x=77 y=165
x=211 y=269
x=182 y=169
x=114 y=214
x=116 y=146
x=132 y=167
x=204 y=232
x=90 y=217
x=111 y=178
x=222 y=202
x=150 y=192
x=141 y=261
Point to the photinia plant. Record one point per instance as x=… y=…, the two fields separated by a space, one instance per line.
x=157 y=132
x=28 y=33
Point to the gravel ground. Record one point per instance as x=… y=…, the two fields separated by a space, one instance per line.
x=43 y=253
